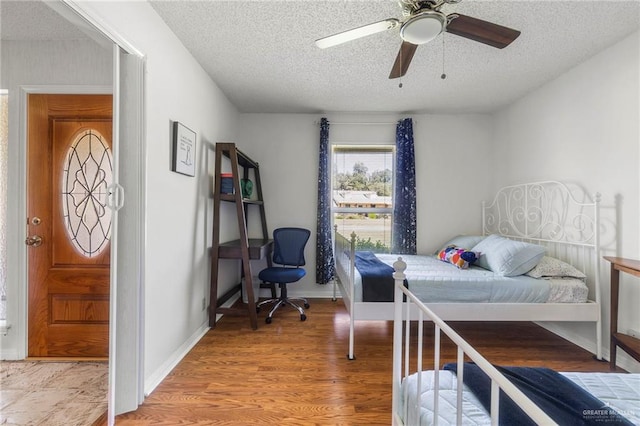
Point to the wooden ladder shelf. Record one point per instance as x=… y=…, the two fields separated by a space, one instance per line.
x=245 y=248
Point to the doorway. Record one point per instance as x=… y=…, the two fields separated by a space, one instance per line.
x=37 y=68
x=69 y=171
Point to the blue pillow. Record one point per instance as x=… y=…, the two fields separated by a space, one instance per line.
x=508 y=257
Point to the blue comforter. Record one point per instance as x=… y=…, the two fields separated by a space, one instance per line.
x=377 y=277
x=560 y=398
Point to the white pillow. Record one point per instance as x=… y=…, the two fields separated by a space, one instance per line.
x=463 y=241
x=552 y=267
x=507 y=257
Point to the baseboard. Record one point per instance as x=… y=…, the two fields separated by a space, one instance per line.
x=574 y=338
x=626 y=362
x=623 y=361
x=313 y=294
x=161 y=373
x=319 y=291
x=152 y=382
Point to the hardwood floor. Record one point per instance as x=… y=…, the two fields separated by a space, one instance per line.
x=52 y=393
x=296 y=373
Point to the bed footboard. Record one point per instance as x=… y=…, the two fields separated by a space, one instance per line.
x=402 y=352
x=344 y=252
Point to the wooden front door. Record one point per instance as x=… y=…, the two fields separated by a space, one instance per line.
x=69 y=167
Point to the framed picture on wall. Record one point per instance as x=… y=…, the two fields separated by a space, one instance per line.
x=184 y=150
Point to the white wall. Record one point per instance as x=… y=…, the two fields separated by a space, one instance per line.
x=583 y=128
x=178 y=225
x=36 y=63
x=451 y=156
x=453 y=177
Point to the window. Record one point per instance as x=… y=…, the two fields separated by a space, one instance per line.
x=87 y=175
x=362 y=194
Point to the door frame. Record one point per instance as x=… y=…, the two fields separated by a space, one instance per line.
x=126 y=325
x=126 y=343
x=132 y=334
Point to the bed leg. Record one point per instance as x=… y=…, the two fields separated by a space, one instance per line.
x=599 y=341
x=334 y=290
x=350 y=355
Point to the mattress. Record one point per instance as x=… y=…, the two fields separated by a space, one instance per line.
x=434 y=281
x=620 y=391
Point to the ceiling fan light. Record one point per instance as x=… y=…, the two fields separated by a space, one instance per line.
x=423 y=27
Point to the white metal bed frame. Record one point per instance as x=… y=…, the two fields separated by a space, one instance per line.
x=565 y=220
x=401 y=358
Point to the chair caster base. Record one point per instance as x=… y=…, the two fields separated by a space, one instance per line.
x=303 y=317
x=306 y=306
x=268 y=320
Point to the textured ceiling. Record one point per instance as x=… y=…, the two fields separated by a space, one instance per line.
x=262 y=53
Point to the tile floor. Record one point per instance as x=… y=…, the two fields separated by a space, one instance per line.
x=52 y=393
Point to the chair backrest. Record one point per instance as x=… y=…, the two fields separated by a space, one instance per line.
x=289 y=246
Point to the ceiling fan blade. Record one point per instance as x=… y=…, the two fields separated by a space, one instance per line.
x=482 y=31
x=403 y=60
x=355 y=33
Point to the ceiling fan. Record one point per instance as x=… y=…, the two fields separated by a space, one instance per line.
x=422 y=22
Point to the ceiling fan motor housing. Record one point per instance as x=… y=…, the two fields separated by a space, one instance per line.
x=423 y=27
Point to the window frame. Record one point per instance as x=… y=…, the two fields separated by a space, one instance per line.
x=359 y=147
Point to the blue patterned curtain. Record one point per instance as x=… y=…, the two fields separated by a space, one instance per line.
x=404 y=210
x=325 y=266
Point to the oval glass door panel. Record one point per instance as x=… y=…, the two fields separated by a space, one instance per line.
x=88 y=172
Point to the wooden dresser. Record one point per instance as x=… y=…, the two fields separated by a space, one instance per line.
x=629 y=344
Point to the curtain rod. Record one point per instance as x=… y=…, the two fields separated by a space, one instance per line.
x=381 y=123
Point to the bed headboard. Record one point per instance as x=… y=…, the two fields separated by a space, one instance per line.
x=562 y=217
x=543 y=211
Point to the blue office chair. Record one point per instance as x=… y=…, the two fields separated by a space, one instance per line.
x=288 y=251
